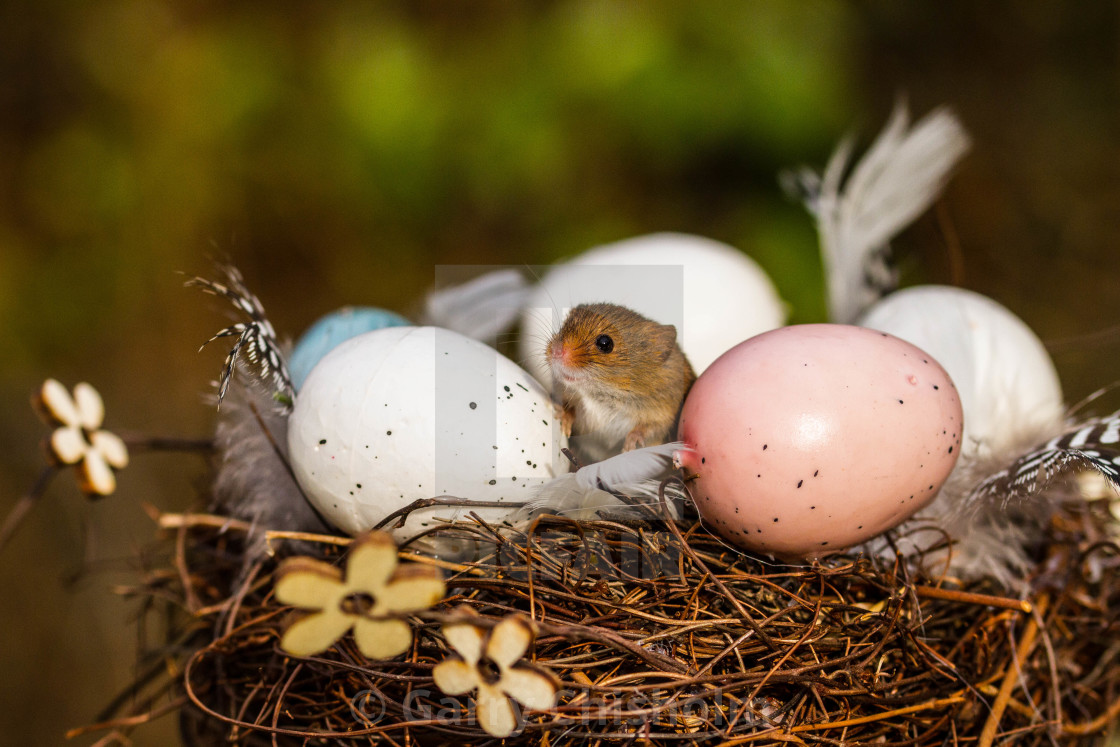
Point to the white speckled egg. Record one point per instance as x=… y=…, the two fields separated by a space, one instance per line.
x=404 y=413
x=1008 y=386
x=331 y=330
x=712 y=293
x=812 y=438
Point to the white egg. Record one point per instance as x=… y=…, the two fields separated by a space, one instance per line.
x=406 y=413
x=714 y=295
x=1008 y=386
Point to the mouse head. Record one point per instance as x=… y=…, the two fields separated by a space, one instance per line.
x=608 y=345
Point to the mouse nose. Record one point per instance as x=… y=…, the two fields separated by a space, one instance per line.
x=558 y=355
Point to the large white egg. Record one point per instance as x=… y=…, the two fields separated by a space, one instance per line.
x=405 y=413
x=714 y=295
x=1009 y=388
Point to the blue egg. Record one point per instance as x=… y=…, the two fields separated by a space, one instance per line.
x=333 y=329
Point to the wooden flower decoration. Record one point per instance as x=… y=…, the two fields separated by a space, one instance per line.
x=373 y=587
x=490 y=662
x=78 y=439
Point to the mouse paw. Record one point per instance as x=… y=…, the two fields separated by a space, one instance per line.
x=567 y=417
x=635 y=439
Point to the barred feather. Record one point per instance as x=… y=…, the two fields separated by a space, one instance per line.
x=256 y=338
x=1095 y=444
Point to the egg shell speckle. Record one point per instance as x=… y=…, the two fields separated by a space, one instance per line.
x=406 y=413
x=812 y=438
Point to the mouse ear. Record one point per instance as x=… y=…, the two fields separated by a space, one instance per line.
x=664 y=338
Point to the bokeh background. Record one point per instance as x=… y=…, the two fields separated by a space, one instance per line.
x=338 y=152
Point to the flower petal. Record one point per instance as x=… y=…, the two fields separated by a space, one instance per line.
x=372 y=559
x=91 y=410
x=494 y=711
x=455 y=676
x=111 y=447
x=412 y=587
x=55 y=404
x=509 y=640
x=68 y=445
x=382 y=639
x=309 y=584
x=465 y=639
x=95 y=476
x=528 y=686
x=315 y=633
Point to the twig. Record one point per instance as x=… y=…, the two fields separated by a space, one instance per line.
x=842 y=724
x=24 y=504
x=141 y=718
x=1098 y=724
x=745 y=616
x=191 y=521
x=966 y=597
x=402 y=514
x=225 y=523
x=1011 y=676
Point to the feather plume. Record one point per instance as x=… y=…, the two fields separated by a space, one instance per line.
x=255 y=338
x=481 y=308
x=896 y=181
x=629 y=468
x=635 y=474
x=1094 y=444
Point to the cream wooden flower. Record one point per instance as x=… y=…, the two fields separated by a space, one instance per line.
x=78 y=439
x=490 y=662
x=374 y=586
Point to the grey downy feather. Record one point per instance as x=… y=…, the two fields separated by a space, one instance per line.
x=253 y=481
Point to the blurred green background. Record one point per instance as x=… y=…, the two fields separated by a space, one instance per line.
x=338 y=152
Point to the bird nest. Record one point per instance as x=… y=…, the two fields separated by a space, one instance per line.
x=651 y=632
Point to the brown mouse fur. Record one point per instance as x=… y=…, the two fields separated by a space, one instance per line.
x=622 y=394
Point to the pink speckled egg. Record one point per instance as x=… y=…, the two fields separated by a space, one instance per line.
x=812 y=438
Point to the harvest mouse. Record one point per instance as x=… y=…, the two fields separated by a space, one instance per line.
x=621 y=379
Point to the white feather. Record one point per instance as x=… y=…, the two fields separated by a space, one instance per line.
x=481 y=308
x=629 y=468
x=896 y=181
x=637 y=474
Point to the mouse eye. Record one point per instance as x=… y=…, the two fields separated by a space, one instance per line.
x=604 y=343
